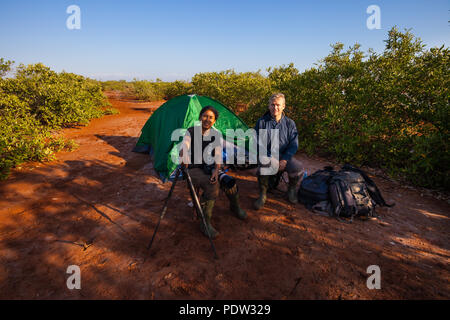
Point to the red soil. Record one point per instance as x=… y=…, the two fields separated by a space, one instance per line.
x=97 y=208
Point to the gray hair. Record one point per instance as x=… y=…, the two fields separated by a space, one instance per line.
x=277 y=96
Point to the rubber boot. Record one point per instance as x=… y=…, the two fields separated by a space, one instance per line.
x=274 y=181
x=263 y=182
x=292 y=193
x=234 y=206
x=207 y=208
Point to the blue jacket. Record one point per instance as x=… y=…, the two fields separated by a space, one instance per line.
x=288 y=134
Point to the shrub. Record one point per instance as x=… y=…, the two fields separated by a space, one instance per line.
x=146 y=90
x=120 y=85
x=177 y=88
x=56 y=99
x=150 y=90
x=35 y=102
x=231 y=88
x=388 y=110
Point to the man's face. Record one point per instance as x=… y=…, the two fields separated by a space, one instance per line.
x=276 y=107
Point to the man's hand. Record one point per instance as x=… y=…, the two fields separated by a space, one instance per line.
x=184 y=162
x=214 y=177
x=282 y=165
x=184 y=159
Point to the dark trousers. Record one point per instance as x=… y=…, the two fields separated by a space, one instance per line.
x=201 y=180
x=294 y=168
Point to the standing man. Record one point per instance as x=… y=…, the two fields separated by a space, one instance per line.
x=275 y=118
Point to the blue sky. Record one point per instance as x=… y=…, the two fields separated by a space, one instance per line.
x=175 y=39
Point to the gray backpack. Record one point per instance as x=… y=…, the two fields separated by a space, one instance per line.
x=349 y=196
x=350 y=193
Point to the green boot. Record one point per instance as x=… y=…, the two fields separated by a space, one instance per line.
x=274 y=181
x=234 y=206
x=207 y=208
x=292 y=194
x=263 y=182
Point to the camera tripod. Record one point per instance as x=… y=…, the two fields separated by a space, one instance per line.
x=195 y=200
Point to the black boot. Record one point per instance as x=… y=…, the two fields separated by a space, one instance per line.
x=207 y=208
x=263 y=182
x=292 y=193
x=274 y=181
x=234 y=206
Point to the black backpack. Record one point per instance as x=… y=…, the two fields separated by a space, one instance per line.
x=314 y=188
x=350 y=193
x=371 y=186
x=349 y=196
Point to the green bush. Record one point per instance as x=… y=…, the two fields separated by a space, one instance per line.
x=177 y=88
x=5 y=67
x=235 y=90
x=22 y=136
x=159 y=90
x=146 y=90
x=388 y=110
x=120 y=85
x=37 y=101
x=56 y=99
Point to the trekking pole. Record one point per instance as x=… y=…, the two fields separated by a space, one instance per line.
x=177 y=173
x=197 y=205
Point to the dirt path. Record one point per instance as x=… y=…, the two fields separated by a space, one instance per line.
x=97 y=208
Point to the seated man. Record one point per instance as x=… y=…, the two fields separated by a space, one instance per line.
x=274 y=118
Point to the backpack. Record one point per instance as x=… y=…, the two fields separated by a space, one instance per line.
x=354 y=194
x=349 y=196
x=371 y=186
x=347 y=193
x=314 y=188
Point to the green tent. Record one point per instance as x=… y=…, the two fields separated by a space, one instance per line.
x=179 y=113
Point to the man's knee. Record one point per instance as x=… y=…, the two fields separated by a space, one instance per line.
x=211 y=192
x=294 y=167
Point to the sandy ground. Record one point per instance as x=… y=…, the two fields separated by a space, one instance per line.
x=97 y=208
